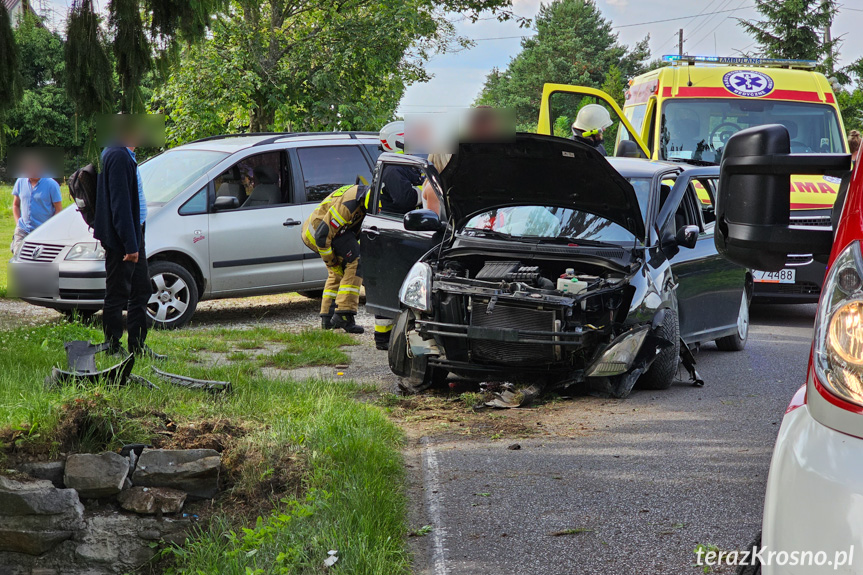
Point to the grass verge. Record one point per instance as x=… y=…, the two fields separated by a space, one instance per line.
x=324 y=468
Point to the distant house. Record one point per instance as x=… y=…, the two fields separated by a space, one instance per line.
x=16 y=8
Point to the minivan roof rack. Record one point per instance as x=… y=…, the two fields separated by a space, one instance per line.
x=676 y=59
x=275 y=136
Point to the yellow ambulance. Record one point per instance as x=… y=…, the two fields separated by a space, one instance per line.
x=687 y=111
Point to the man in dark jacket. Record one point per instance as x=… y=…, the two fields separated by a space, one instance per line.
x=121 y=211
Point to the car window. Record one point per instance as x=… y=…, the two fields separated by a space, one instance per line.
x=256 y=181
x=704 y=190
x=374 y=151
x=166 y=175
x=400 y=189
x=326 y=169
x=684 y=215
x=197 y=204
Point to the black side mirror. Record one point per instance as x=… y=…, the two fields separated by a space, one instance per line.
x=226 y=203
x=628 y=149
x=754 y=204
x=687 y=236
x=423 y=221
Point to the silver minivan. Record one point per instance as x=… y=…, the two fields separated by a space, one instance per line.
x=225 y=218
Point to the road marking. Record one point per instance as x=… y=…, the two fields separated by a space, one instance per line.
x=434 y=497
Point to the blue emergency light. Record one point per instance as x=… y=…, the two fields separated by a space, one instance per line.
x=739 y=61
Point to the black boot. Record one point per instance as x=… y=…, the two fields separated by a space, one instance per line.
x=327 y=318
x=346 y=322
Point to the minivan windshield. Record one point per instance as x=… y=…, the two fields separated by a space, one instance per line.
x=166 y=175
x=546 y=222
x=699 y=129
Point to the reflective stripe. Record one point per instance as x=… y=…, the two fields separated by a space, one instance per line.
x=349 y=289
x=325 y=251
x=330 y=293
x=383 y=328
x=337 y=216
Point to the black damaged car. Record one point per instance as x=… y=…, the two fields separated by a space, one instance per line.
x=553 y=264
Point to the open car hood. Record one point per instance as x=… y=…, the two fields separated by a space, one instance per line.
x=538 y=170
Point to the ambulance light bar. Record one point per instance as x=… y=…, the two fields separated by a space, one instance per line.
x=734 y=61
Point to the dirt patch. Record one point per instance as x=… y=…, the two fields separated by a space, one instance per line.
x=219 y=435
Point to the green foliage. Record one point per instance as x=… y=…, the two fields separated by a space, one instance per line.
x=851 y=105
x=89 y=74
x=10 y=73
x=131 y=51
x=792 y=29
x=574 y=44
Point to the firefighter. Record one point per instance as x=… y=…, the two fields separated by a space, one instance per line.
x=590 y=123
x=332 y=231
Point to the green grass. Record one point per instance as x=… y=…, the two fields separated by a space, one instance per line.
x=350 y=495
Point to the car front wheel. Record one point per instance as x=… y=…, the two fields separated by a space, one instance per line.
x=737 y=341
x=661 y=373
x=175 y=295
x=415 y=372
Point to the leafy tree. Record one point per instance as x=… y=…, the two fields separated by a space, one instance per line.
x=573 y=44
x=89 y=74
x=10 y=74
x=131 y=50
x=792 y=29
x=293 y=65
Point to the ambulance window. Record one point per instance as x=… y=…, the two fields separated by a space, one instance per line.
x=635 y=115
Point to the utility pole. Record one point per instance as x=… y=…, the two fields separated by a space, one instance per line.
x=680 y=42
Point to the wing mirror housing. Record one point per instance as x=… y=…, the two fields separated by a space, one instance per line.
x=753 y=204
x=687 y=236
x=226 y=203
x=423 y=221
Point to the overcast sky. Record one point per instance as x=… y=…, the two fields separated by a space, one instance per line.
x=458 y=77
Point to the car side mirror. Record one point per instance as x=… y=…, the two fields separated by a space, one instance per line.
x=628 y=149
x=687 y=236
x=423 y=221
x=753 y=205
x=226 y=203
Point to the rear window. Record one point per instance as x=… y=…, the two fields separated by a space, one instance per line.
x=326 y=169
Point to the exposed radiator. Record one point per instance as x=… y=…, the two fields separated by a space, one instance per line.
x=505 y=316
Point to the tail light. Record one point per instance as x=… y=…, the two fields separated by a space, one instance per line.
x=838 y=350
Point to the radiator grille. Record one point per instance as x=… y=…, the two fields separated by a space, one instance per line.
x=811 y=221
x=512 y=317
x=39 y=252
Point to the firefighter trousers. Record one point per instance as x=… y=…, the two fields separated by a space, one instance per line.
x=342 y=290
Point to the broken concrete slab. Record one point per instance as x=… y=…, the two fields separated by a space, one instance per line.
x=151 y=500
x=49 y=470
x=31 y=542
x=95 y=476
x=195 y=471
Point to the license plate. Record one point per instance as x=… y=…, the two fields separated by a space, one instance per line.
x=786 y=276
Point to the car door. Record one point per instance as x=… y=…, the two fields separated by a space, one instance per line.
x=388 y=249
x=559 y=107
x=321 y=170
x=709 y=287
x=256 y=247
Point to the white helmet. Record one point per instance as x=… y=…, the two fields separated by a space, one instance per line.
x=393 y=137
x=592 y=119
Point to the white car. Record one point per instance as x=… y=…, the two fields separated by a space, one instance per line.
x=813 y=510
x=225 y=215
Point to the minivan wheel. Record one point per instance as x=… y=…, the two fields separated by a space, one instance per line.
x=175 y=295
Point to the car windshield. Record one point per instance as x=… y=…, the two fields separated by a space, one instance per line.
x=166 y=175
x=699 y=129
x=546 y=222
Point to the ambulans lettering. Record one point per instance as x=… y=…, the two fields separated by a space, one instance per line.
x=748 y=83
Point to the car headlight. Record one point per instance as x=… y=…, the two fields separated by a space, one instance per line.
x=619 y=355
x=416 y=289
x=839 y=327
x=87 y=251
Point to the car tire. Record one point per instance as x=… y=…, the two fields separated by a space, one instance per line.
x=414 y=372
x=175 y=295
x=753 y=566
x=737 y=341
x=312 y=293
x=660 y=374
x=84 y=316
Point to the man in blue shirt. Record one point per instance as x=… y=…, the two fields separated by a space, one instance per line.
x=121 y=213
x=36 y=199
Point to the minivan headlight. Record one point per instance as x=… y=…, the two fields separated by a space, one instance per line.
x=838 y=355
x=416 y=289
x=87 y=251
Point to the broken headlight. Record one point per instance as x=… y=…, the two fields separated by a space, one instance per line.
x=416 y=289
x=619 y=355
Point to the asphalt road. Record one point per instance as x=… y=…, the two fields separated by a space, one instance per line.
x=642 y=483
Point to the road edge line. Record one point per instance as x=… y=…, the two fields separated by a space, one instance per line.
x=434 y=495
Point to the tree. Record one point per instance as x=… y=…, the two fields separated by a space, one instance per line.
x=793 y=29
x=573 y=44
x=293 y=65
x=10 y=74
